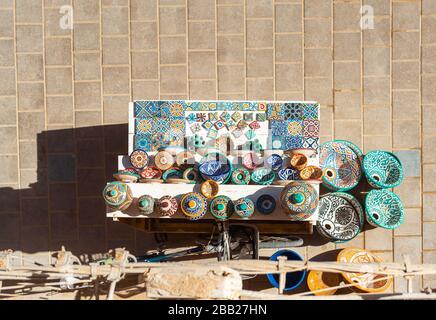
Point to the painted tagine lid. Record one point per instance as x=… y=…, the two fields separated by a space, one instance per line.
x=241 y=176
x=355 y=255
x=139 y=159
x=193 y=206
x=190 y=174
x=382 y=169
x=266 y=204
x=117 y=195
x=167 y=206
x=151 y=173
x=341 y=163
x=384 y=209
x=299 y=200
x=221 y=207
x=263 y=176
x=126 y=176
x=163 y=160
x=146 y=204
x=340 y=217
x=244 y=207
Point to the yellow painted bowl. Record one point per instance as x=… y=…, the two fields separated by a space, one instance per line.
x=317 y=280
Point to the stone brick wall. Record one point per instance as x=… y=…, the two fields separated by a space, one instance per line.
x=64 y=95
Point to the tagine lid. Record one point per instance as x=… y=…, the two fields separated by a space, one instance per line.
x=221 y=207
x=115 y=193
x=193 y=205
x=299 y=198
x=139 y=159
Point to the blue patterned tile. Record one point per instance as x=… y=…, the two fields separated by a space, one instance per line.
x=142 y=141
x=293 y=142
x=311 y=111
x=311 y=128
x=311 y=143
x=278 y=128
x=146 y=109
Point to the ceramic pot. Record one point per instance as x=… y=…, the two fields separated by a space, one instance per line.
x=299 y=200
x=244 y=207
x=193 y=206
x=339 y=218
x=355 y=255
x=266 y=204
x=341 y=164
x=139 y=159
x=190 y=174
x=151 y=173
x=117 y=195
x=384 y=209
x=311 y=173
x=215 y=166
x=146 y=204
x=309 y=153
x=382 y=169
x=172 y=174
x=167 y=206
x=221 y=207
x=126 y=176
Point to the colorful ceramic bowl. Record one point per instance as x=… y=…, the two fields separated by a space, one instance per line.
x=384 y=209
x=313 y=173
x=287 y=174
x=193 y=205
x=117 y=195
x=221 y=207
x=126 y=176
x=139 y=159
x=172 y=174
x=151 y=173
x=251 y=160
x=341 y=165
x=244 y=207
x=318 y=280
x=209 y=188
x=167 y=206
x=241 y=176
x=190 y=174
x=146 y=204
x=163 y=160
x=215 y=166
x=298 y=161
x=299 y=200
x=382 y=169
x=263 y=176
x=266 y=204
x=338 y=217
x=355 y=255
x=274 y=162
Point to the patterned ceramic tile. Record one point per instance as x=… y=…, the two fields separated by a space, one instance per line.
x=201 y=117
x=207 y=124
x=261 y=106
x=213 y=116
x=294 y=127
x=250 y=134
x=310 y=128
x=142 y=141
x=311 y=143
x=213 y=133
x=237 y=133
x=261 y=117
x=254 y=125
x=242 y=124
x=278 y=128
x=248 y=117
x=219 y=124
x=293 y=142
x=146 y=109
x=225 y=116
x=236 y=116
x=191 y=118
x=196 y=127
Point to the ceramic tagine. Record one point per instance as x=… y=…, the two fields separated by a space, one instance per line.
x=221 y=207
x=244 y=207
x=117 y=195
x=167 y=206
x=241 y=176
x=299 y=200
x=193 y=205
x=146 y=204
x=139 y=159
x=266 y=204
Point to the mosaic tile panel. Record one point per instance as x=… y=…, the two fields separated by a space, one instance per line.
x=290 y=124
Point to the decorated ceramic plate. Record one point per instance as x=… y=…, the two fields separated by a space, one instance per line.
x=263 y=176
x=299 y=200
x=341 y=165
x=366 y=282
x=338 y=218
x=383 y=169
x=384 y=209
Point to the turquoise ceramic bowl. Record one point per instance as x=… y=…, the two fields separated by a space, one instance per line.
x=384 y=209
x=383 y=169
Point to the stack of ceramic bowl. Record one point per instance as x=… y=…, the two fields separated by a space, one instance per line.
x=383 y=208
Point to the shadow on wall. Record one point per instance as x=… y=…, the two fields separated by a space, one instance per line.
x=64 y=206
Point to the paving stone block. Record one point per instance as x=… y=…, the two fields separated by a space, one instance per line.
x=429 y=177
x=376 y=120
x=406 y=134
x=378 y=239
x=260 y=63
x=405 y=15
x=288 y=18
x=410 y=192
x=201 y=35
x=260 y=89
x=412 y=223
x=202 y=65
x=230 y=49
x=173 y=79
x=260 y=33
x=429 y=236
x=411 y=161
